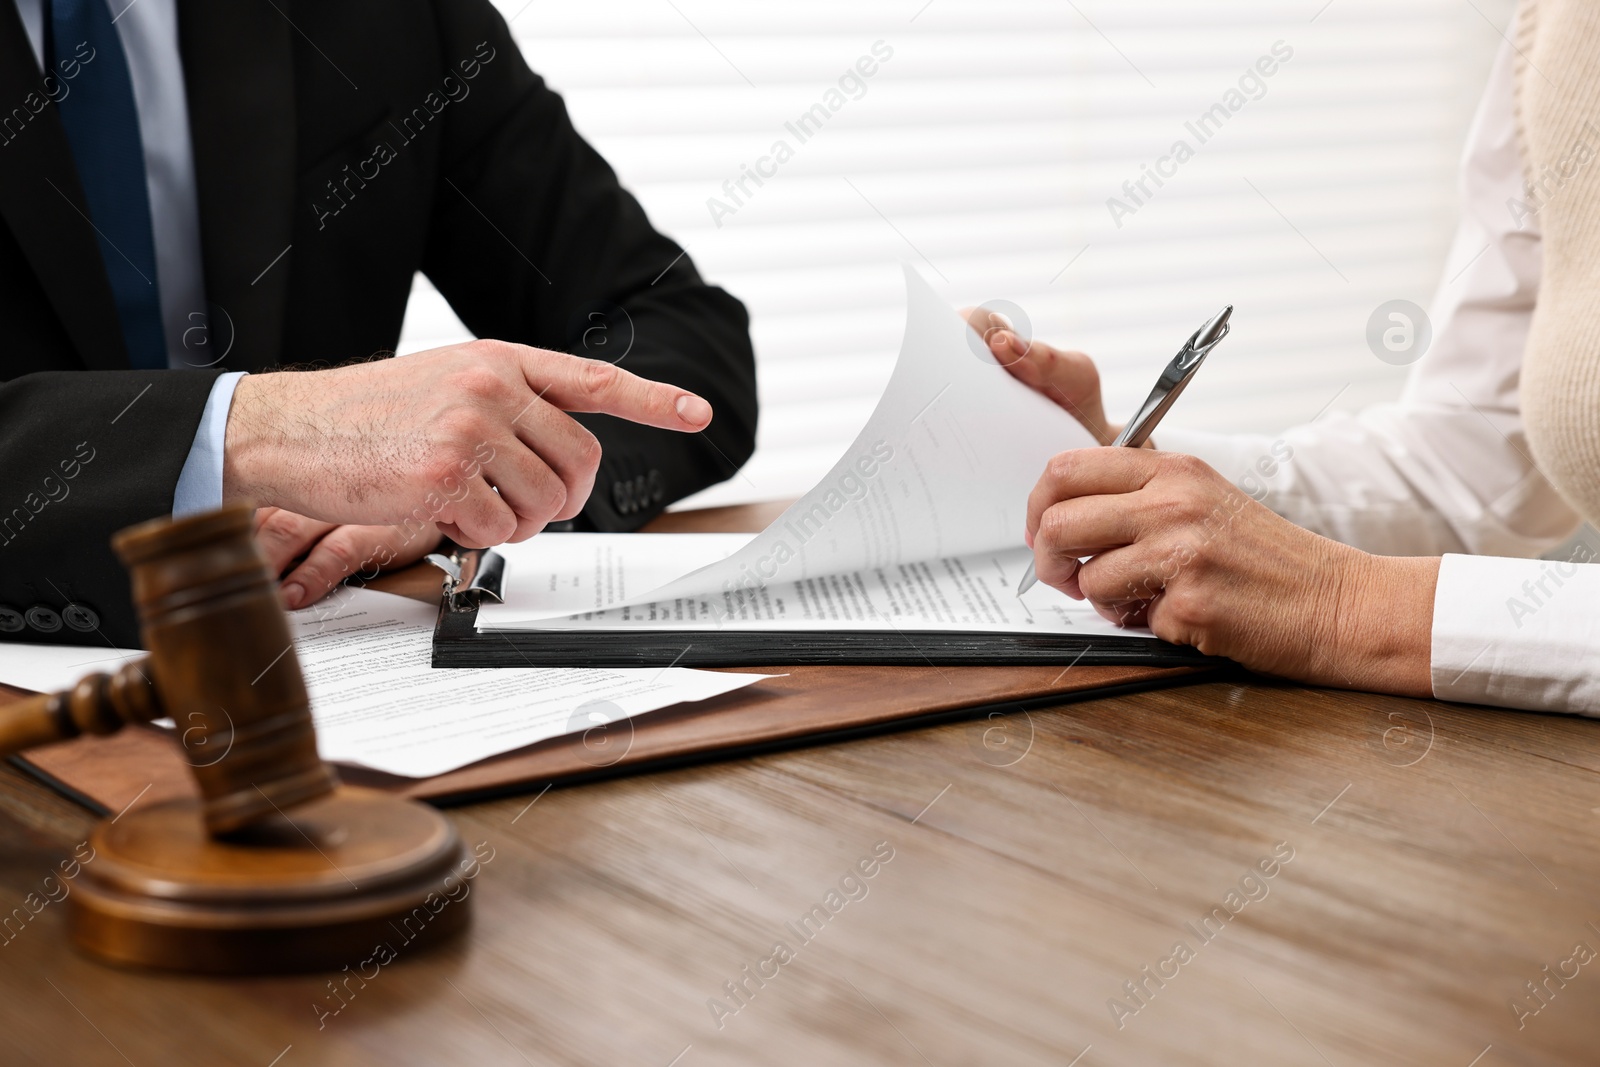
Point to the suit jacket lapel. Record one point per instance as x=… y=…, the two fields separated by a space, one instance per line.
x=44 y=207
x=239 y=73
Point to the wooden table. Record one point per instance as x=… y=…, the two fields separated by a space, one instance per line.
x=1442 y=856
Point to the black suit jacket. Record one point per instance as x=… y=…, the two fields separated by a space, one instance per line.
x=335 y=156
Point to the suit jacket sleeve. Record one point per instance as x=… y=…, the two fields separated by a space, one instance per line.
x=534 y=240
x=84 y=454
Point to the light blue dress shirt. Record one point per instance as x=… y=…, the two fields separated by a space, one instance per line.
x=148 y=30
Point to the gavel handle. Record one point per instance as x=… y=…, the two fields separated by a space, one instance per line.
x=98 y=704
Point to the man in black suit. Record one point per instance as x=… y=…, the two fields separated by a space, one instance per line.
x=334 y=149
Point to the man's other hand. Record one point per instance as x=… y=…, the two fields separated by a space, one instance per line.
x=472 y=438
x=311 y=557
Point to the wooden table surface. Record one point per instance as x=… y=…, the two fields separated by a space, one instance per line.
x=1427 y=861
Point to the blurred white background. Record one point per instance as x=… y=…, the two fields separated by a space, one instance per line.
x=984 y=151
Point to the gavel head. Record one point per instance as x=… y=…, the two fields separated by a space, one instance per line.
x=223 y=665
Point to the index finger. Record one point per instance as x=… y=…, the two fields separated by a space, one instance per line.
x=1090 y=472
x=573 y=383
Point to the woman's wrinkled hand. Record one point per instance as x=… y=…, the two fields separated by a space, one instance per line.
x=1169 y=543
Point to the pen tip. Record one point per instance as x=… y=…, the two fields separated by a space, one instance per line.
x=1214 y=330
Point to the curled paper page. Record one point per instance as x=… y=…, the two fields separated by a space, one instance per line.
x=942 y=469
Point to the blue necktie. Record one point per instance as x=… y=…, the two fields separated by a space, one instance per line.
x=102 y=126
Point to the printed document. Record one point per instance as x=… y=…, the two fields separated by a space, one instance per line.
x=377 y=701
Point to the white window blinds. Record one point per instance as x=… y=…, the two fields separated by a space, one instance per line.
x=1030 y=151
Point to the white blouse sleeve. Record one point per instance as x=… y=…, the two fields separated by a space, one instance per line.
x=1446 y=468
x=1518 y=633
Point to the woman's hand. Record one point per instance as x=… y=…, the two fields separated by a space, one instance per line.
x=1173 y=545
x=319 y=555
x=1067 y=378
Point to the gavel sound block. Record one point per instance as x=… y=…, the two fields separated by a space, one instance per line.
x=277 y=867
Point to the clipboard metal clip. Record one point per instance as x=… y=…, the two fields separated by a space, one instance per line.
x=470 y=576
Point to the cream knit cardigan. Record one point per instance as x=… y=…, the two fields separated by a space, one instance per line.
x=1558 y=122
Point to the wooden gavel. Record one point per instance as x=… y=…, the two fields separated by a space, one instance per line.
x=222 y=665
x=281 y=867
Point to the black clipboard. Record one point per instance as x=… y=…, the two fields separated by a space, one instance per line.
x=475 y=575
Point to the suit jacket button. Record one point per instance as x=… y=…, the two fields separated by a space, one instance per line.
x=81 y=618
x=658 y=487
x=44 y=619
x=10 y=620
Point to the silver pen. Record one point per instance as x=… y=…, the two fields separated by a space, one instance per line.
x=1172 y=382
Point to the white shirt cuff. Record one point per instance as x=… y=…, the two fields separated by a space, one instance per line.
x=1518 y=633
x=200 y=482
